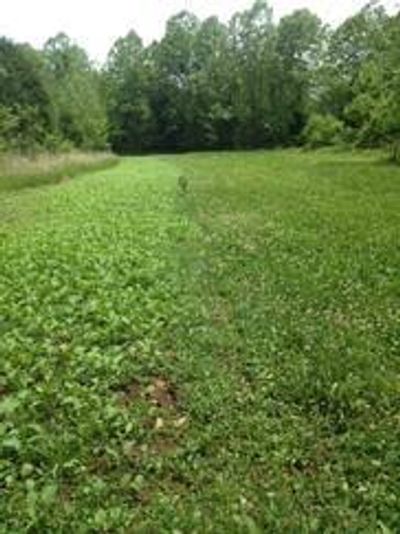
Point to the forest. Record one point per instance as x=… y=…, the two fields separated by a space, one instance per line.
x=250 y=83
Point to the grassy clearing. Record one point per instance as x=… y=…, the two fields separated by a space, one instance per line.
x=224 y=360
x=18 y=172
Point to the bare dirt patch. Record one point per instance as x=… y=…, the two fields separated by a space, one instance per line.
x=162 y=393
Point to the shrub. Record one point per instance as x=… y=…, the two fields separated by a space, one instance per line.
x=323 y=130
x=8 y=125
x=20 y=128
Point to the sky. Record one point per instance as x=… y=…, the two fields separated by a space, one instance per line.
x=96 y=24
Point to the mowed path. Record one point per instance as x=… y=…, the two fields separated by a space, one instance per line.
x=220 y=360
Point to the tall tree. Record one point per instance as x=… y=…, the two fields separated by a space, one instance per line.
x=76 y=93
x=175 y=65
x=349 y=47
x=127 y=78
x=300 y=38
x=25 y=101
x=251 y=35
x=213 y=102
x=375 y=108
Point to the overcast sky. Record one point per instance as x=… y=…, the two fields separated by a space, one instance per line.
x=95 y=24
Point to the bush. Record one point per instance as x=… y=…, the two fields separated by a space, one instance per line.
x=20 y=129
x=8 y=126
x=323 y=130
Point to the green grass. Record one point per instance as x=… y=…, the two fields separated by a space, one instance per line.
x=221 y=360
x=18 y=172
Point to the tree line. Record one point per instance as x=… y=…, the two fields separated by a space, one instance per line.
x=249 y=83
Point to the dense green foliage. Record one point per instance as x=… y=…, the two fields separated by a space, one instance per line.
x=79 y=105
x=50 y=100
x=252 y=83
x=323 y=130
x=25 y=102
x=247 y=83
x=220 y=360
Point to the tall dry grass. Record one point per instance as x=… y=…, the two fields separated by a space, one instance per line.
x=18 y=171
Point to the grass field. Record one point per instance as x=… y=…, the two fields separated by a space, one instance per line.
x=221 y=360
